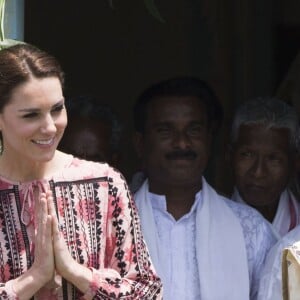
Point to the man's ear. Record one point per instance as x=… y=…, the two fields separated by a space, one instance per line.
x=138 y=143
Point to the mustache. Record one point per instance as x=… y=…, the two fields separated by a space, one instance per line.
x=181 y=154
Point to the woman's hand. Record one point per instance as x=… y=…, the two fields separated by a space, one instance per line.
x=42 y=270
x=65 y=265
x=43 y=252
x=63 y=258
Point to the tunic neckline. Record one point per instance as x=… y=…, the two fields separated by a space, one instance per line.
x=67 y=163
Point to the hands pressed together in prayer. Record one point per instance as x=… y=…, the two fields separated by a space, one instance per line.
x=51 y=255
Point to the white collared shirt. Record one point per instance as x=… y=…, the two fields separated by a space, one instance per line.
x=177 y=240
x=178 y=249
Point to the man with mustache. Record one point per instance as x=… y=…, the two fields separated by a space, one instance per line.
x=203 y=245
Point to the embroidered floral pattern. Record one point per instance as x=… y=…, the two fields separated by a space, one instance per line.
x=99 y=223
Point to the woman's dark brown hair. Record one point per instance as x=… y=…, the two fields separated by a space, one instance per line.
x=20 y=63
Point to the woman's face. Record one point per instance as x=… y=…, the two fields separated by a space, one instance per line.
x=33 y=121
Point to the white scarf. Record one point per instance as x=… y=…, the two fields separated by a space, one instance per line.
x=282 y=220
x=220 y=245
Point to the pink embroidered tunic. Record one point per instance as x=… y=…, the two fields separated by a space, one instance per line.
x=99 y=223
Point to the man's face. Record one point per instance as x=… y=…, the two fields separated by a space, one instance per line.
x=88 y=139
x=262 y=163
x=175 y=145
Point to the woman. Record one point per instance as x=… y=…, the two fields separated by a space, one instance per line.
x=69 y=228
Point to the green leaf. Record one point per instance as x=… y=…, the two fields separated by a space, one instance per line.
x=2 y=9
x=153 y=10
x=5 y=43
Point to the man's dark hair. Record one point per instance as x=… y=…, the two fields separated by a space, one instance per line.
x=179 y=86
x=87 y=106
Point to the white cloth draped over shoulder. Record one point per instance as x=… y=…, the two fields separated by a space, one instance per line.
x=287 y=215
x=220 y=245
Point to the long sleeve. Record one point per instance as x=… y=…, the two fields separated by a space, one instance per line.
x=7 y=292
x=99 y=223
x=128 y=272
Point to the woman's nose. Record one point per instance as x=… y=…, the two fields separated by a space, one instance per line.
x=48 y=124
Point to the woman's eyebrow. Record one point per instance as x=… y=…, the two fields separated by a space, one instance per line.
x=60 y=102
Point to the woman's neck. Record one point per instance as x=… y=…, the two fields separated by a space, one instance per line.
x=26 y=171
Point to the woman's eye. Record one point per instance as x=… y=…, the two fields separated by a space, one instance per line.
x=30 y=115
x=58 y=108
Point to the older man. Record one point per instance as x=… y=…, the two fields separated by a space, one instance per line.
x=264 y=147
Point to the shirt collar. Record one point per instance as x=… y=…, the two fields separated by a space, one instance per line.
x=159 y=202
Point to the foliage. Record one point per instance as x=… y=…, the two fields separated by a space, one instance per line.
x=151 y=7
x=4 y=43
x=153 y=10
x=2 y=8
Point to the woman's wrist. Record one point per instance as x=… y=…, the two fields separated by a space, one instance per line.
x=28 y=283
x=79 y=275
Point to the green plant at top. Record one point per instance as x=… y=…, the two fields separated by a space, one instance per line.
x=153 y=10
x=150 y=5
x=2 y=8
x=4 y=43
